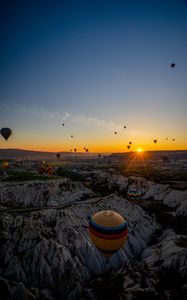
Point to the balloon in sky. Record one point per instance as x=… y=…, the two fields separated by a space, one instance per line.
x=173 y=140
x=155 y=141
x=62 y=124
x=124 y=127
x=115 y=132
x=128 y=147
x=75 y=150
x=130 y=143
x=58 y=155
x=6 y=133
x=86 y=150
x=173 y=65
x=71 y=136
x=108 y=231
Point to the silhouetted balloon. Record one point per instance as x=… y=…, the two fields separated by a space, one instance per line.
x=165 y=158
x=130 y=143
x=108 y=231
x=155 y=141
x=124 y=127
x=71 y=136
x=166 y=138
x=62 y=124
x=58 y=155
x=173 y=65
x=173 y=140
x=6 y=133
x=75 y=149
x=115 y=132
x=86 y=150
x=128 y=147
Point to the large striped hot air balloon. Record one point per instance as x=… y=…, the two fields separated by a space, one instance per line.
x=108 y=231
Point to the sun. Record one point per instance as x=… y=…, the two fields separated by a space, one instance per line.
x=139 y=150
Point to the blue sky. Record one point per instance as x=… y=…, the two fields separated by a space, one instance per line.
x=95 y=65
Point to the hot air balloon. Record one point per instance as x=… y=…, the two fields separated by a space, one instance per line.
x=108 y=231
x=6 y=133
x=172 y=65
x=75 y=150
x=128 y=147
x=173 y=140
x=5 y=164
x=86 y=150
x=124 y=127
x=58 y=155
x=165 y=158
x=62 y=124
x=134 y=194
x=88 y=182
x=71 y=136
x=155 y=141
x=115 y=132
x=130 y=143
x=49 y=171
x=166 y=138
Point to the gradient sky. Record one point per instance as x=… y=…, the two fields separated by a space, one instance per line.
x=95 y=66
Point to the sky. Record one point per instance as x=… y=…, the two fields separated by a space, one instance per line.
x=95 y=66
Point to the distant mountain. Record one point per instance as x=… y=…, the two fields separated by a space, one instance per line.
x=36 y=155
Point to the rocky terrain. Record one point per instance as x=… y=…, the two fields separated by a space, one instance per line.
x=45 y=251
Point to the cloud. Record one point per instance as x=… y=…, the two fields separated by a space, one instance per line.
x=79 y=119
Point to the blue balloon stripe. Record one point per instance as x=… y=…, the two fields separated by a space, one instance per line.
x=108 y=230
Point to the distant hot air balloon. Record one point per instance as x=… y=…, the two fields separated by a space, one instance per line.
x=166 y=138
x=115 y=132
x=86 y=150
x=71 y=150
x=172 y=65
x=6 y=133
x=5 y=164
x=155 y=141
x=58 y=155
x=71 y=136
x=62 y=124
x=128 y=147
x=130 y=143
x=108 y=231
x=134 y=194
x=173 y=140
x=49 y=171
x=75 y=150
x=124 y=127
x=165 y=158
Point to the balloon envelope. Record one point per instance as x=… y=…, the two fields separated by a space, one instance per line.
x=58 y=155
x=6 y=133
x=108 y=231
x=5 y=164
x=134 y=194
